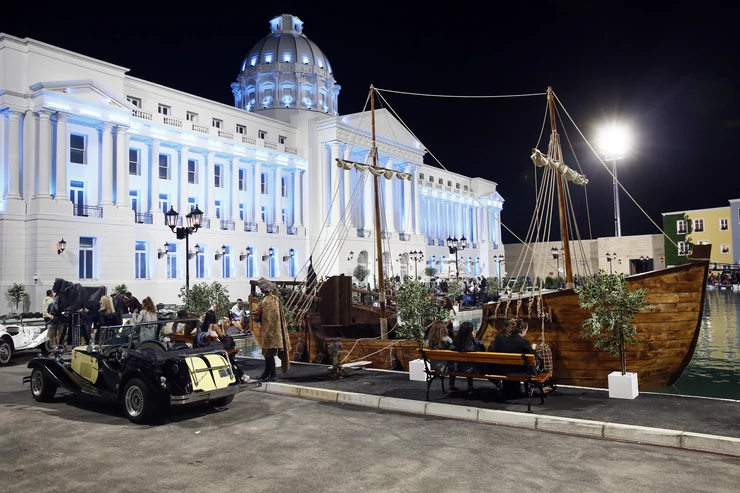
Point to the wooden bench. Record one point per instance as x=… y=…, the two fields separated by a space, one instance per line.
x=518 y=368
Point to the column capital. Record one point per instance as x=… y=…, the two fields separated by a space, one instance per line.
x=43 y=114
x=121 y=128
x=61 y=116
x=13 y=115
x=106 y=127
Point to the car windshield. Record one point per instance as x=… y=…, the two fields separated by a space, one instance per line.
x=121 y=335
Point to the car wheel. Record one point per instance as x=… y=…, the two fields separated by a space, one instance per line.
x=139 y=404
x=222 y=402
x=46 y=348
x=42 y=387
x=6 y=351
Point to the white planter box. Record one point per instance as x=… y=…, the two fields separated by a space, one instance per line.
x=623 y=386
x=416 y=371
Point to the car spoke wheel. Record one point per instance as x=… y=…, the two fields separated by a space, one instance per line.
x=5 y=352
x=139 y=403
x=134 y=401
x=42 y=388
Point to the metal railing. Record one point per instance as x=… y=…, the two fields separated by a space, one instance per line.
x=273 y=228
x=227 y=225
x=250 y=227
x=363 y=233
x=292 y=230
x=386 y=235
x=405 y=236
x=142 y=218
x=205 y=223
x=87 y=211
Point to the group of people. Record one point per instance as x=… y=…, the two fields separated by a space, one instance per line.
x=110 y=310
x=510 y=339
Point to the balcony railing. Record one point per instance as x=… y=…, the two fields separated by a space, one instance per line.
x=273 y=228
x=291 y=150
x=205 y=223
x=168 y=120
x=271 y=145
x=292 y=230
x=144 y=115
x=88 y=211
x=475 y=245
x=197 y=127
x=227 y=225
x=363 y=233
x=249 y=140
x=430 y=241
x=440 y=242
x=405 y=236
x=225 y=134
x=142 y=218
x=386 y=235
x=250 y=227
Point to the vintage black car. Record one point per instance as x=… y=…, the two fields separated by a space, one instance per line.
x=133 y=366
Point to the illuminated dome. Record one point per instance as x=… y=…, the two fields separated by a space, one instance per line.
x=286 y=70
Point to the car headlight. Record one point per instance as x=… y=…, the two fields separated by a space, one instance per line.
x=175 y=369
x=163 y=382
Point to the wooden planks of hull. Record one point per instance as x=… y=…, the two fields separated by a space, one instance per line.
x=668 y=333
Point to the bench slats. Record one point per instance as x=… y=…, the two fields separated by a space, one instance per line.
x=479 y=357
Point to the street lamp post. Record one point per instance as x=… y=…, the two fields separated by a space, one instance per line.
x=556 y=256
x=453 y=244
x=499 y=259
x=614 y=142
x=609 y=258
x=194 y=218
x=416 y=256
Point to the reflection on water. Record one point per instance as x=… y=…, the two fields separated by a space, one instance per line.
x=715 y=369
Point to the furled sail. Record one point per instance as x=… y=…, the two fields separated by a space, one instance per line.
x=569 y=174
x=386 y=173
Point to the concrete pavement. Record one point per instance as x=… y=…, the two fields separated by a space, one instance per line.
x=272 y=443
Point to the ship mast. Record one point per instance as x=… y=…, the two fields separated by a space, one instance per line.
x=554 y=139
x=378 y=244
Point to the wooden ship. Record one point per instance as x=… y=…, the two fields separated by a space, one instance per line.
x=669 y=332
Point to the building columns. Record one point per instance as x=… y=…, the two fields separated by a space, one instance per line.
x=346 y=181
x=122 y=171
x=61 y=158
x=154 y=177
x=390 y=210
x=14 y=155
x=258 y=193
x=43 y=161
x=184 y=192
x=211 y=187
x=106 y=165
x=278 y=216
x=334 y=195
x=234 y=182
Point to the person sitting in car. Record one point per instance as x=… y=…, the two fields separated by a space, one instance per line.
x=107 y=315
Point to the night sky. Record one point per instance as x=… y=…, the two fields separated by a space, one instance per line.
x=670 y=71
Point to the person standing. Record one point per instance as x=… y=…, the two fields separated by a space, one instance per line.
x=275 y=339
x=45 y=305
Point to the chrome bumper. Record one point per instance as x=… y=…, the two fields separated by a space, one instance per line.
x=178 y=400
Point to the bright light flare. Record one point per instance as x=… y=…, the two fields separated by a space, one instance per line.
x=614 y=141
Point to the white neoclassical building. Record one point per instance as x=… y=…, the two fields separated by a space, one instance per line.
x=95 y=157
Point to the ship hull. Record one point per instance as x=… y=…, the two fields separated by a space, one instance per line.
x=669 y=332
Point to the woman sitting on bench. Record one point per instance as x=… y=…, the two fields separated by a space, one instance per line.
x=514 y=342
x=466 y=342
x=438 y=339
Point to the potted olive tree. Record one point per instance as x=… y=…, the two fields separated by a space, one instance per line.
x=360 y=273
x=417 y=308
x=611 y=326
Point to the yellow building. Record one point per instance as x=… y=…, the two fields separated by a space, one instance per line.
x=712 y=226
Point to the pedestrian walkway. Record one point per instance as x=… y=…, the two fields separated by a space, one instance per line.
x=663 y=412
